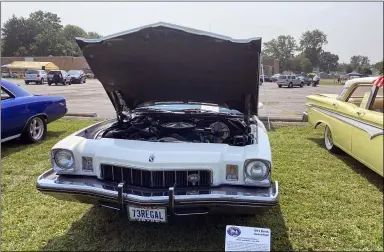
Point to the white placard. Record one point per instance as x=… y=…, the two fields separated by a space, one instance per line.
x=209 y=108
x=238 y=238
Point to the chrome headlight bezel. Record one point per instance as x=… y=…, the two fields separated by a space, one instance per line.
x=57 y=165
x=248 y=176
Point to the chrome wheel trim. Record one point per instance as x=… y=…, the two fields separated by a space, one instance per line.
x=36 y=128
x=328 y=138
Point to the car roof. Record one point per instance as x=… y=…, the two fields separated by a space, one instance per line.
x=14 y=88
x=364 y=80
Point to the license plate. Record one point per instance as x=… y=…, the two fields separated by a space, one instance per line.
x=150 y=214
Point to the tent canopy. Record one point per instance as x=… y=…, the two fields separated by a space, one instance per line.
x=354 y=74
x=32 y=65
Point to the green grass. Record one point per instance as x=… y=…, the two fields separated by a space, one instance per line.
x=330 y=82
x=327 y=202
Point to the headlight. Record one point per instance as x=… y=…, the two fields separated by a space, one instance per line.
x=256 y=169
x=64 y=159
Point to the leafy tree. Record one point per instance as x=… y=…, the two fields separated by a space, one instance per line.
x=348 y=69
x=358 y=62
x=41 y=34
x=15 y=34
x=311 y=44
x=367 y=71
x=69 y=33
x=305 y=65
x=328 y=61
x=380 y=67
x=93 y=35
x=281 y=48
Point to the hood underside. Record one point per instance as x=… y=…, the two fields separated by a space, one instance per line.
x=164 y=62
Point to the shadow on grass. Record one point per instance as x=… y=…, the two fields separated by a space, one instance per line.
x=374 y=178
x=103 y=229
x=17 y=145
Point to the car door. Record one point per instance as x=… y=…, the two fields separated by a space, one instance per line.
x=14 y=115
x=367 y=136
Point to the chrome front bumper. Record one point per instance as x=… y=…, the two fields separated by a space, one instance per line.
x=231 y=199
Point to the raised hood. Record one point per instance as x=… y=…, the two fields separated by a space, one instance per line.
x=164 y=62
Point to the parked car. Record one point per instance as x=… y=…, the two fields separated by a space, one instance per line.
x=35 y=76
x=307 y=80
x=289 y=81
x=353 y=121
x=77 y=76
x=275 y=77
x=58 y=77
x=26 y=115
x=164 y=154
x=90 y=76
x=266 y=78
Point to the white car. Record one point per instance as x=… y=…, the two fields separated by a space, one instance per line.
x=289 y=81
x=36 y=76
x=171 y=150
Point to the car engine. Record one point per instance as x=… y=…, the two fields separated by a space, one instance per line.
x=180 y=129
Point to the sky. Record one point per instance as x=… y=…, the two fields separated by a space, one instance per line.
x=353 y=28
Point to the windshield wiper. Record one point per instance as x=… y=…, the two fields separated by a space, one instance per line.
x=153 y=110
x=199 y=111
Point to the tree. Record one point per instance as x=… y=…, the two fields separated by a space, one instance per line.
x=41 y=34
x=311 y=44
x=367 y=71
x=282 y=48
x=358 y=62
x=15 y=34
x=349 y=69
x=69 y=33
x=380 y=67
x=93 y=35
x=328 y=61
x=306 y=66
x=345 y=67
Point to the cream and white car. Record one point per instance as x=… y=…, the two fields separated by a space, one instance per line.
x=186 y=139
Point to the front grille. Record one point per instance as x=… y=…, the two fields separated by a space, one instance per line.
x=154 y=179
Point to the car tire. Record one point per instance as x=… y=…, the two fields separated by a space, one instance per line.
x=85 y=80
x=35 y=130
x=49 y=83
x=290 y=85
x=328 y=141
x=302 y=85
x=27 y=83
x=41 y=81
x=280 y=86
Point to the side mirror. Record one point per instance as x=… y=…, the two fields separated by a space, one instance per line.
x=261 y=105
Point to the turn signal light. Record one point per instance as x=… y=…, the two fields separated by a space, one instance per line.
x=232 y=172
x=87 y=164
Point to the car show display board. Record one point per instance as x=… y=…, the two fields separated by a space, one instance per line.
x=239 y=238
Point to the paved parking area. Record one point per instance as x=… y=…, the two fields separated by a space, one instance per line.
x=91 y=98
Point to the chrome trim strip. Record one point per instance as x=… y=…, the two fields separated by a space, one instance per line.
x=50 y=182
x=372 y=130
x=10 y=138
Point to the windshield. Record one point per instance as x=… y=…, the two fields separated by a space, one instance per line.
x=74 y=72
x=175 y=106
x=282 y=77
x=31 y=72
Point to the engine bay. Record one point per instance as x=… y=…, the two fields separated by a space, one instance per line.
x=180 y=128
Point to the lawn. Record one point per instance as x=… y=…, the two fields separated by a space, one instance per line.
x=327 y=202
x=330 y=82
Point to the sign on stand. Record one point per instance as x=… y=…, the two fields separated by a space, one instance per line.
x=238 y=238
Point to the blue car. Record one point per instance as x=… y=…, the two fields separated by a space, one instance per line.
x=26 y=115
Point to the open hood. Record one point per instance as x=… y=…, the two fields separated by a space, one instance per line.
x=165 y=62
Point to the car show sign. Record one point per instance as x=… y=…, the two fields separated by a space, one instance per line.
x=239 y=238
